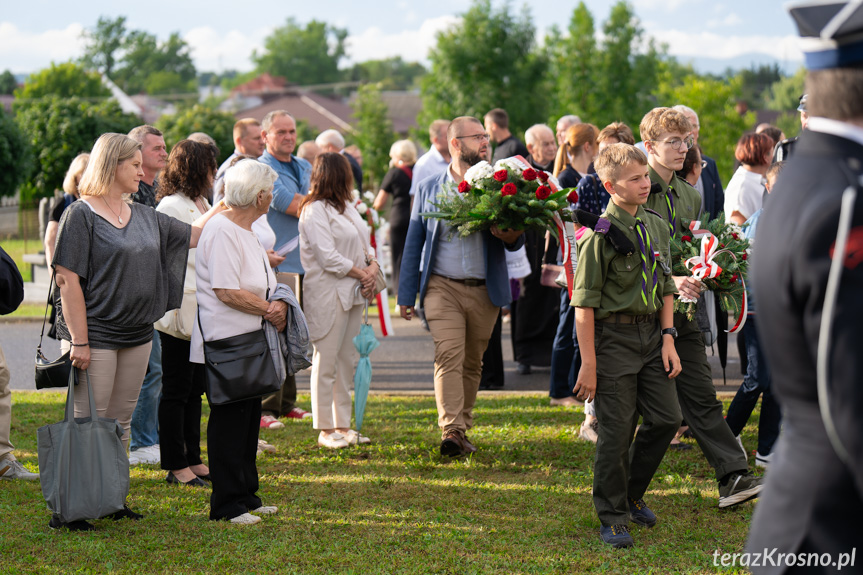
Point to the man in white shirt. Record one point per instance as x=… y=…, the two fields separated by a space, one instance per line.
x=436 y=159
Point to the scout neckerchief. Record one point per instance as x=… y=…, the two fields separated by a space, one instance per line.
x=672 y=214
x=648 y=263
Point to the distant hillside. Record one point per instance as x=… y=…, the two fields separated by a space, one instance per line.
x=718 y=66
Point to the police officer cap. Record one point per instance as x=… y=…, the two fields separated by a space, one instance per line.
x=831 y=32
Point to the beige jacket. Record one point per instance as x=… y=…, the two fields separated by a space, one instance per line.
x=330 y=245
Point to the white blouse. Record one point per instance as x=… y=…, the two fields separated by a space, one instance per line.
x=744 y=193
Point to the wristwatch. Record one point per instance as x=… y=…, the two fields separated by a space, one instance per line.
x=672 y=331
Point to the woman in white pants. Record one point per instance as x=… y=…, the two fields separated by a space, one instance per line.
x=334 y=250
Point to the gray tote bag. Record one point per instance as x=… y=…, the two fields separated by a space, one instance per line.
x=83 y=467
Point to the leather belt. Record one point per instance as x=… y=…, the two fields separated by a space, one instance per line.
x=469 y=282
x=628 y=319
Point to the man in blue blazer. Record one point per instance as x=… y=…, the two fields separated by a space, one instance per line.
x=462 y=283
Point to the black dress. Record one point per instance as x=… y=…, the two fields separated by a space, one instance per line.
x=397 y=182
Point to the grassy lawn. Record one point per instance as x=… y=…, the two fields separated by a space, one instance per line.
x=16 y=250
x=522 y=504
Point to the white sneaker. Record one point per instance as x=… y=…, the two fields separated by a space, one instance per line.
x=270 y=422
x=588 y=432
x=334 y=440
x=13 y=469
x=763 y=460
x=354 y=437
x=150 y=455
x=246 y=519
x=266 y=510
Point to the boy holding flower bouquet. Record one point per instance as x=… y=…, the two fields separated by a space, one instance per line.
x=623 y=295
x=667 y=137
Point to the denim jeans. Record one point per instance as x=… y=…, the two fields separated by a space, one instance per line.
x=756 y=383
x=145 y=419
x=565 y=359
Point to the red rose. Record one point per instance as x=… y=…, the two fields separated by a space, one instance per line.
x=733 y=278
x=508 y=189
x=463 y=187
x=543 y=192
x=722 y=246
x=501 y=175
x=529 y=174
x=735 y=236
x=572 y=197
x=686 y=239
x=543 y=176
x=744 y=256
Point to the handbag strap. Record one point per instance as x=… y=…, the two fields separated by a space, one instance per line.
x=47 y=304
x=70 y=398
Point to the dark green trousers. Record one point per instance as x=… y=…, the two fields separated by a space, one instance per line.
x=630 y=380
x=702 y=410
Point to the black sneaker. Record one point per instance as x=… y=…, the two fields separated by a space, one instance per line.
x=641 y=514
x=617 y=536
x=738 y=488
x=80 y=525
x=125 y=513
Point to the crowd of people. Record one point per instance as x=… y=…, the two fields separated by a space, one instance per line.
x=158 y=254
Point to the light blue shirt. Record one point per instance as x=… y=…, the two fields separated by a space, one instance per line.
x=292 y=180
x=430 y=164
x=458 y=257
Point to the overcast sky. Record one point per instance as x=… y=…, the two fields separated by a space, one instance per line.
x=223 y=34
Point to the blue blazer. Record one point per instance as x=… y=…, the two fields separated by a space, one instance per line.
x=425 y=233
x=714 y=195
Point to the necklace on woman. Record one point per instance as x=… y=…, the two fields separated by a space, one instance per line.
x=119 y=219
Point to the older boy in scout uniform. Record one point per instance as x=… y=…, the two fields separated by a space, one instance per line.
x=623 y=296
x=666 y=135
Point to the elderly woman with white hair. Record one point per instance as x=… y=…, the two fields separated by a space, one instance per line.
x=397 y=183
x=234 y=279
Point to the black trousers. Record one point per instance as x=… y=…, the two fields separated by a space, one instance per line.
x=492 y=359
x=232 y=440
x=180 y=405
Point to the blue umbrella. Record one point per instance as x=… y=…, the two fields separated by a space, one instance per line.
x=365 y=342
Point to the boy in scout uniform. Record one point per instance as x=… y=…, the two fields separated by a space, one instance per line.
x=667 y=137
x=623 y=299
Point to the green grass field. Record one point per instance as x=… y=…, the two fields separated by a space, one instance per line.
x=16 y=250
x=521 y=504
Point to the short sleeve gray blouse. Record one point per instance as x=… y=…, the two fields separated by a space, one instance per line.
x=130 y=276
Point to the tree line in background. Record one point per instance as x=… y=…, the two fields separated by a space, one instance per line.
x=490 y=59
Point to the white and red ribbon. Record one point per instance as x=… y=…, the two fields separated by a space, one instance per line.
x=703 y=267
x=382 y=299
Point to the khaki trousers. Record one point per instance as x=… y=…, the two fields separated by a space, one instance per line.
x=333 y=371
x=460 y=320
x=116 y=376
x=5 y=409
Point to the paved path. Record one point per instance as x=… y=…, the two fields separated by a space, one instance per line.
x=403 y=362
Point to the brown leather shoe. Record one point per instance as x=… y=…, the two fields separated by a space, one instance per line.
x=452 y=444
x=468 y=446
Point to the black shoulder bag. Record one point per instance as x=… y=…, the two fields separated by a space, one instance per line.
x=239 y=367
x=51 y=373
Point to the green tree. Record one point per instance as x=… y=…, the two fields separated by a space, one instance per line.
x=390 y=73
x=219 y=125
x=59 y=128
x=304 y=56
x=756 y=83
x=8 y=83
x=103 y=42
x=65 y=80
x=721 y=125
x=15 y=155
x=784 y=94
x=374 y=134
x=156 y=67
x=573 y=65
x=489 y=60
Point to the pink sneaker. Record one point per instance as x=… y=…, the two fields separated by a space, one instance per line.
x=297 y=413
x=270 y=422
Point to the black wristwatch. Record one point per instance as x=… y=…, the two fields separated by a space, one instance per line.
x=672 y=331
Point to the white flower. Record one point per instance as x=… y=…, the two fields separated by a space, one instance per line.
x=478 y=172
x=362 y=209
x=369 y=196
x=355 y=195
x=510 y=164
x=375 y=218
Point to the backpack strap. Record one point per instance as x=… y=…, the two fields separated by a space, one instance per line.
x=619 y=241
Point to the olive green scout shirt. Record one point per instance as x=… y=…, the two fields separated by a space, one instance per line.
x=609 y=281
x=687 y=202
